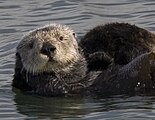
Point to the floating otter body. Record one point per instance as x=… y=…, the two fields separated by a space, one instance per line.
x=49 y=62
x=116 y=42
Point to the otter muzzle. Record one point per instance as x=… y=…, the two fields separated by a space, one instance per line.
x=47 y=49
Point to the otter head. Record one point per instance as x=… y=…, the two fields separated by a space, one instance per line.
x=50 y=48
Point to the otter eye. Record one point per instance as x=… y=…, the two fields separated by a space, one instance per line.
x=74 y=34
x=61 y=38
x=31 y=45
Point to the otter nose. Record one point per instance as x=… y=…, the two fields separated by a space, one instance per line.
x=47 y=48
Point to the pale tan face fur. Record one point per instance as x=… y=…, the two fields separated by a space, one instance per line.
x=65 y=54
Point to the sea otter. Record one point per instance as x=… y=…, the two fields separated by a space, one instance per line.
x=115 y=42
x=49 y=62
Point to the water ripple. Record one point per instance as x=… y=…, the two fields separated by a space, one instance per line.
x=18 y=17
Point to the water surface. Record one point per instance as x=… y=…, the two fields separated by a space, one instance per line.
x=19 y=16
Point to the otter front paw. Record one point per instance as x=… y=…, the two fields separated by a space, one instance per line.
x=99 y=61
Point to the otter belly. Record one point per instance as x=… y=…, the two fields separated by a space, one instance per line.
x=134 y=77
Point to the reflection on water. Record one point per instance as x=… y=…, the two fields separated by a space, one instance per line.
x=18 y=17
x=41 y=107
x=118 y=107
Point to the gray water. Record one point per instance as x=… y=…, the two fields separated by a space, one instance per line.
x=20 y=16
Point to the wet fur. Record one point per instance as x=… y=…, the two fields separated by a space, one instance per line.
x=117 y=42
x=63 y=72
x=121 y=44
x=50 y=83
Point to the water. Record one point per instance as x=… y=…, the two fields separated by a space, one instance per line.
x=20 y=16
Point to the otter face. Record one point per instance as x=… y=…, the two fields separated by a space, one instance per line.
x=50 y=48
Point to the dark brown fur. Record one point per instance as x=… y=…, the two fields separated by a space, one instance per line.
x=121 y=43
x=118 y=42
